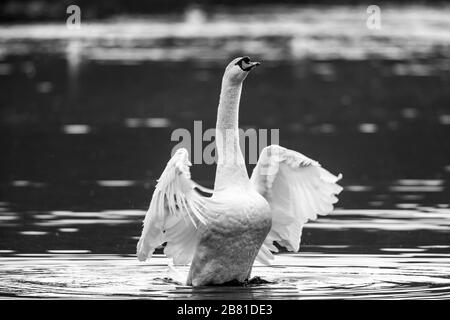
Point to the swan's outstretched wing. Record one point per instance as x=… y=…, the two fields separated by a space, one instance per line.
x=175 y=211
x=298 y=189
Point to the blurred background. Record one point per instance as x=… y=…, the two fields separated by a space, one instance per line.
x=87 y=115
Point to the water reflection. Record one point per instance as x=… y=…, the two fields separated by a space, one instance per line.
x=304 y=276
x=294 y=32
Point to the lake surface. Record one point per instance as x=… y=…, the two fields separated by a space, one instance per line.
x=86 y=123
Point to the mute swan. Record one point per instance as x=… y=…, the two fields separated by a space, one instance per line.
x=222 y=235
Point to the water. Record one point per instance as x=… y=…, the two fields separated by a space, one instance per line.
x=297 y=276
x=86 y=120
x=365 y=254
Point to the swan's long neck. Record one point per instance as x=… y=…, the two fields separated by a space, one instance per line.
x=231 y=165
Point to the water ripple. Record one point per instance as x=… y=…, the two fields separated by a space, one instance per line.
x=294 y=276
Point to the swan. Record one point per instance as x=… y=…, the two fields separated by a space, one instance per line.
x=222 y=232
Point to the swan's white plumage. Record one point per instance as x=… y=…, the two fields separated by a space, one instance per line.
x=222 y=235
x=298 y=189
x=175 y=211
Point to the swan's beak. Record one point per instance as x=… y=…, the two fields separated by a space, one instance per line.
x=246 y=64
x=254 y=64
x=249 y=66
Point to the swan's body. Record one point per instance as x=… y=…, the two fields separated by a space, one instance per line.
x=222 y=235
x=229 y=243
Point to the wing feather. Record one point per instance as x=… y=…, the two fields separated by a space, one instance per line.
x=174 y=213
x=298 y=190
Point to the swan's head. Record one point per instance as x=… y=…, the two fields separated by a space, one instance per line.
x=238 y=69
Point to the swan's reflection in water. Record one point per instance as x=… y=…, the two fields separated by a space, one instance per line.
x=294 y=276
